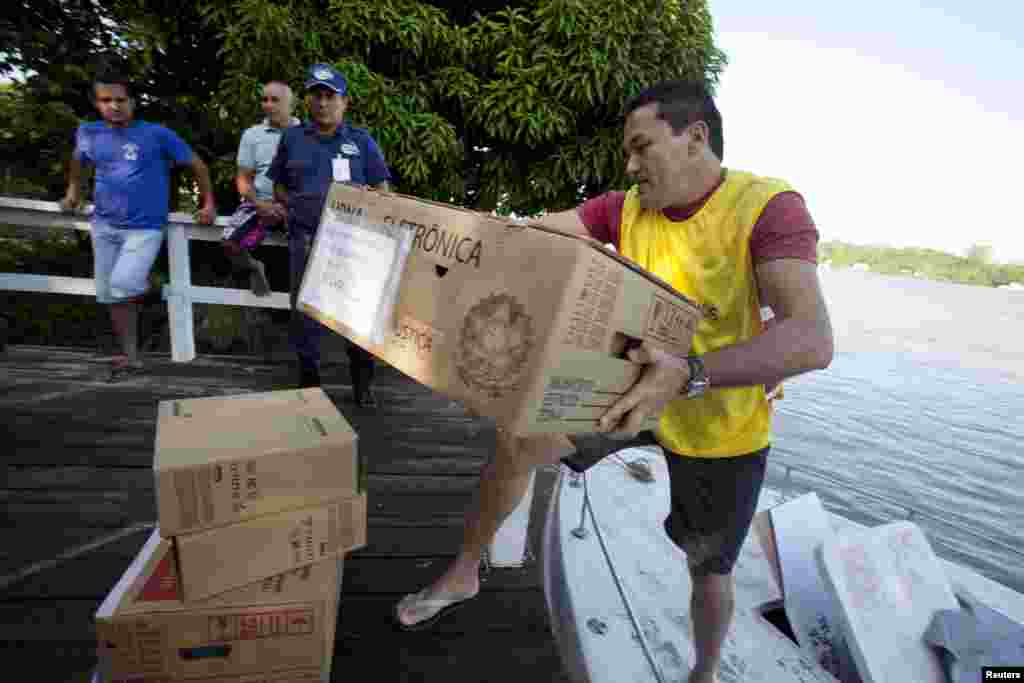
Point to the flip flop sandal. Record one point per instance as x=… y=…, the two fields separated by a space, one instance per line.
x=442 y=607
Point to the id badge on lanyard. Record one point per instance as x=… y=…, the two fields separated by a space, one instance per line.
x=342 y=171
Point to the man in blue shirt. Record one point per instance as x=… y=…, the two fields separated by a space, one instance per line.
x=133 y=161
x=309 y=158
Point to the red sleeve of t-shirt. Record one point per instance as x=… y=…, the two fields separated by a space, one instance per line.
x=785 y=229
x=602 y=216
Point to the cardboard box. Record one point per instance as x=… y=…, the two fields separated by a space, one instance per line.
x=216 y=560
x=524 y=324
x=221 y=460
x=280 y=630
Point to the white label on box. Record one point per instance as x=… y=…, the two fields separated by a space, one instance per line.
x=670 y=323
x=354 y=273
x=561 y=395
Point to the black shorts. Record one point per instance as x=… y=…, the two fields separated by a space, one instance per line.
x=713 y=499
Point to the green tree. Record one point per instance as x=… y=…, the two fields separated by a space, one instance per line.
x=508 y=105
x=516 y=106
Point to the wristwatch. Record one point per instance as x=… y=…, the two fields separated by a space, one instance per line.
x=699 y=380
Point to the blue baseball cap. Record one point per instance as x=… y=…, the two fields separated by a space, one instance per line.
x=327 y=76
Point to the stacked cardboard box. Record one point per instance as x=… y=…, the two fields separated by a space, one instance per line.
x=522 y=323
x=259 y=497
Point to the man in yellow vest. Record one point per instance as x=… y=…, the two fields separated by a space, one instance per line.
x=734 y=242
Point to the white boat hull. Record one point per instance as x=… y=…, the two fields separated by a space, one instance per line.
x=626 y=568
x=614 y=566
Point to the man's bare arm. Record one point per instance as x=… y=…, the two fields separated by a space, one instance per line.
x=202 y=173
x=208 y=208
x=245 y=183
x=73 y=197
x=800 y=341
x=566 y=221
x=280 y=194
x=382 y=186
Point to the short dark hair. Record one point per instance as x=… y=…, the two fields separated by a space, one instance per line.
x=114 y=78
x=681 y=103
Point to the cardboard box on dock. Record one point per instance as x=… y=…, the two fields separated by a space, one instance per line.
x=221 y=460
x=523 y=324
x=216 y=560
x=281 y=629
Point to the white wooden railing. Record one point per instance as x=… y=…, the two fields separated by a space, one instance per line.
x=180 y=294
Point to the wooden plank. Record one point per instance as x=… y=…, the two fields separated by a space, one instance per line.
x=71 y=621
x=50 y=621
x=24 y=544
x=366 y=575
x=501 y=611
x=113 y=510
x=67 y=662
x=461 y=658
x=79 y=442
x=99 y=508
x=139 y=475
x=88 y=575
x=426 y=536
x=78 y=477
x=94 y=575
x=497 y=657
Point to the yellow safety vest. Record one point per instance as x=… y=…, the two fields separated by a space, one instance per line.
x=707 y=258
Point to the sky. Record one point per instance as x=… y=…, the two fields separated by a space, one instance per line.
x=901 y=122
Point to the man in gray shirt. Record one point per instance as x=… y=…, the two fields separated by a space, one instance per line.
x=258 y=213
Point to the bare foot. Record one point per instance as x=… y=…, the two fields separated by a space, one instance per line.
x=258 y=279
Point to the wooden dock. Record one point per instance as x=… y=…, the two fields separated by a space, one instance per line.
x=78 y=503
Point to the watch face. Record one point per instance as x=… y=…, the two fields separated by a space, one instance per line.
x=696 y=388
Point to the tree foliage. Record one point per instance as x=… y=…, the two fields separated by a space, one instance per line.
x=514 y=106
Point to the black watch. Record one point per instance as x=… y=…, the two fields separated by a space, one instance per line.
x=699 y=381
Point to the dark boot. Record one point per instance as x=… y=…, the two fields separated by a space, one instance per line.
x=362 y=391
x=361 y=366
x=309 y=375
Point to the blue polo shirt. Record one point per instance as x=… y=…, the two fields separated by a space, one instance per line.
x=303 y=164
x=133 y=171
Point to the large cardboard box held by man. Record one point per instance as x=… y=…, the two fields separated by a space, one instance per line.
x=521 y=323
x=225 y=459
x=281 y=628
x=216 y=560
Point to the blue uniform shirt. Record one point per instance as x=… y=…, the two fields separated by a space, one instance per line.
x=303 y=164
x=133 y=171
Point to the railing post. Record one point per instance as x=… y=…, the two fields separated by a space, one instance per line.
x=179 y=303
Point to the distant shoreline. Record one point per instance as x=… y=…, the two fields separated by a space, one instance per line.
x=976 y=268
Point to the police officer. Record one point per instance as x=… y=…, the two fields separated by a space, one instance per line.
x=309 y=158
